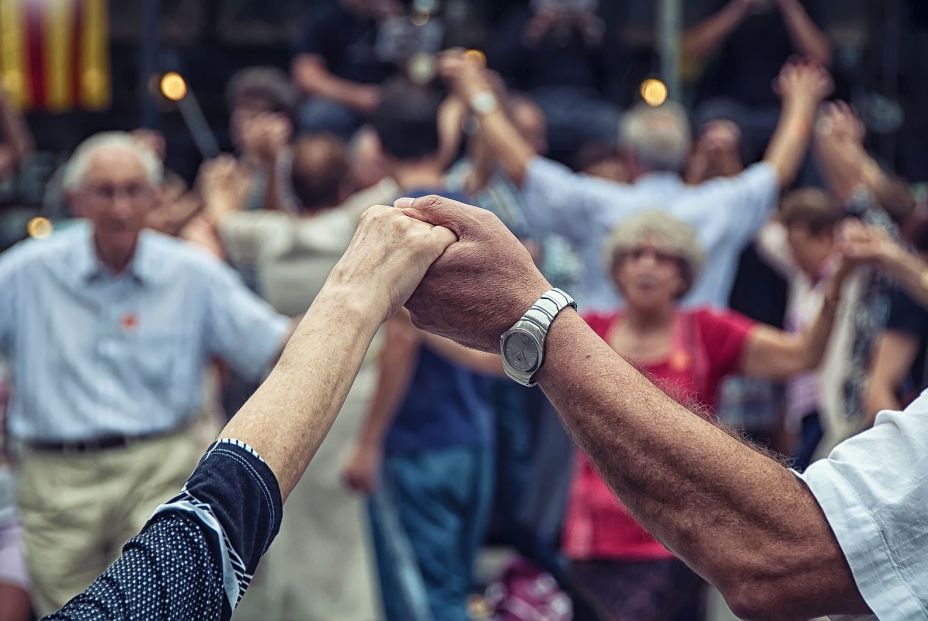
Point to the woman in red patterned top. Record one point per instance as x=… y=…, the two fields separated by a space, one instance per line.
x=654 y=260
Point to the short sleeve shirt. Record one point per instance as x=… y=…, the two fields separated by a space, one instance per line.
x=94 y=353
x=873 y=490
x=445 y=404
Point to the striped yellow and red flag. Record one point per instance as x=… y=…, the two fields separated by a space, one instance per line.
x=54 y=54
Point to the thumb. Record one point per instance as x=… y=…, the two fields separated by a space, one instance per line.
x=459 y=218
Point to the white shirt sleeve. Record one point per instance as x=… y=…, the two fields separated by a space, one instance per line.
x=558 y=200
x=873 y=489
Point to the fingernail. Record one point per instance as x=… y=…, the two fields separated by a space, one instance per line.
x=403 y=202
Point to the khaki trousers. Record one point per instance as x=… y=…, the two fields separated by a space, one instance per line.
x=79 y=509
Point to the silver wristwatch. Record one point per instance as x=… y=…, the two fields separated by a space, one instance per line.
x=522 y=347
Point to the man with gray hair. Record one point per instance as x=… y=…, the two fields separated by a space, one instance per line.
x=654 y=144
x=655 y=139
x=108 y=329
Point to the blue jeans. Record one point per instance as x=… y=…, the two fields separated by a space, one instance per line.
x=428 y=520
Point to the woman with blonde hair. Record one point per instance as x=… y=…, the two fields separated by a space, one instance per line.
x=654 y=259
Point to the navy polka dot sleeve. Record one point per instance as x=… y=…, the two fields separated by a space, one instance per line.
x=196 y=555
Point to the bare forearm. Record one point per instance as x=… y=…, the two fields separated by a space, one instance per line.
x=312 y=78
x=397 y=363
x=807 y=38
x=880 y=396
x=706 y=37
x=840 y=165
x=911 y=272
x=815 y=338
x=478 y=361
x=511 y=149
x=289 y=415
x=791 y=139
x=745 y=522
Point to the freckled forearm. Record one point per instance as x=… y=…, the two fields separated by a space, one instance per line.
x=723 y=507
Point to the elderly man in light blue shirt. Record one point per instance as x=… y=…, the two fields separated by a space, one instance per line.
x=726 y=212
x=109 y=330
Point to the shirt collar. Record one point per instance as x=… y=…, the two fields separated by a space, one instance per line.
x=141 y=267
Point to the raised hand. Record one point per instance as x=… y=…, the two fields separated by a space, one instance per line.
x=481 y=285
x=838 y=121
x=223 y=185
x=266 y=136
x=388 y=256
x=803 y=81
x=465 y=75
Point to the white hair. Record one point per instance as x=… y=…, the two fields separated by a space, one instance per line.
x=77 y=166
x=659 y=138
x=672 y=235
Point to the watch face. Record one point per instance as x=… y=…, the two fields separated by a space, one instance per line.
x=521 y=351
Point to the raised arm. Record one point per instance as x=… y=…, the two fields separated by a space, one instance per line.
x=747 y=524
x=289 y=415
x=708 y=35
x=470 y=81
x=777 y=355
x=229 y=511
x=802 y=87
x=840 y=153
x=893 y=356
x=807 y=37
x=872 y=244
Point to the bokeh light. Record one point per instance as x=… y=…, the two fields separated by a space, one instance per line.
x=173 y=86
x=39 y=227
x=476 y=56
x=654 y=92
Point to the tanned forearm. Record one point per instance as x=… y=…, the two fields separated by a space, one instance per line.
x=287 y=418
x=791 y=139
x=512 y=150
x=706 y=37
x=312 y=78
x=737 y=517
x=806 y=36
x=397 y=364
x=910 y=271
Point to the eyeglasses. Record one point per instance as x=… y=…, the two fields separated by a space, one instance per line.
x=109 y=193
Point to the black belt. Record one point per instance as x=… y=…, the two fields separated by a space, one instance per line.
x=101 y=443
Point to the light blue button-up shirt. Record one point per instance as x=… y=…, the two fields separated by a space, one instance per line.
x=727 y=212
x=94 y=353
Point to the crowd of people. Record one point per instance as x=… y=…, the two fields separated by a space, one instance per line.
x=157 y=308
